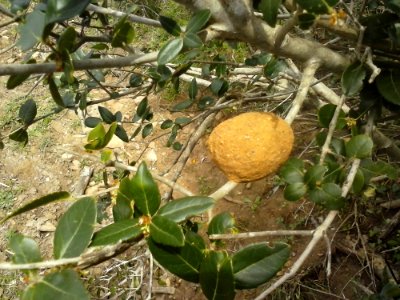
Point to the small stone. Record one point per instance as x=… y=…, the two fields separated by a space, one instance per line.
x=67 y=156
x=116 y=142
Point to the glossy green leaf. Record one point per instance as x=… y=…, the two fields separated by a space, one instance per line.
x=61 y=10
x=166 y=232
x=191 y=40
x=25 y=249
x=183 y=262
x=123 y=33
x=107 y=116
x=135 y=80
x=75 y=229
x=295 y=191
x=169 y=51
x=167 y=124
x=325 y=115
x=37 y=203
x=198 y=21
x=55 y=94
x=147 y=130
x=388 y=83
x=182 y=105
x=60 y=285
x=170 y=25
x=329 y=195
x=66 y=42
x=221 y=223
x=359 y=146
x=216 y=276
x=146 y=194
x=121 y=133
x=193 y=89
x=123 y=208
x=98 y=138
x=292 y=171
x=258 y=263
x=269 y=9
x=373 y=169
x=142 y=107
x=353 y=78
x=21 y=136
x=315 y=175
x=120 y=231
x=180 y=209
x=177 y=146
x=28 y=111
x=317 y=6
x=31 y=31
x=92 y=122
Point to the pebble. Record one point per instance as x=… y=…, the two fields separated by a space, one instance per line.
x=47 y=227
x=67 y=156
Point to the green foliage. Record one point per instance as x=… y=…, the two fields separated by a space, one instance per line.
x=269 y=9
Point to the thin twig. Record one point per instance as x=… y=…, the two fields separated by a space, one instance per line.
x=248 y=235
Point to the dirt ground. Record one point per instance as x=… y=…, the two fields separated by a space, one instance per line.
x=54 y=159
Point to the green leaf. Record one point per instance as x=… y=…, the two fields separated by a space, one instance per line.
x=191 y=40
x=17 y=5
x=61 y=10
x=146 y=194
x=183 y=262
x=121 y=133
x=25 y=249
x=123 y=33
x=295 y=191
x=306 y=20
x=55 y=94
x=269 y=9
x=258 y=263
x=60 y=285
x=219 y=86
x=142 y=107
x=182 y=120
x=395 y=6
x=292 y=171
x=221 y=223
x=15 y=80
x=92 y=122
x=123 y=208
x=166 y=232
x=317 y=6
x=98 y=138
x=353 y=78
x=169 y=51
x=66 y=42
x=170 y=25
x=107 y=116
x=117 y=232
x=31 y=31
x=177 y=146
x=205 y=101
x=315 y=175
x=28 y=111
x=193 y=89
x=181 y=209
x=360 y=146
x=329 y=195
x=21 y=136
x=37 y=203
x=388 y=83
x=75 y=229
x=325 y=115
x=198 y=21
x=167 y=124
x=135 y=80
x=358 y=183
x=147 y=130
x=273 y=67
x=182 y=105
x=373 y=169
x=216 y=276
